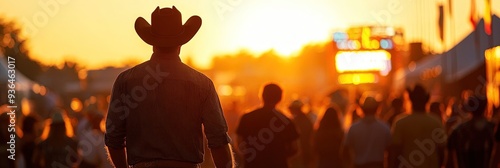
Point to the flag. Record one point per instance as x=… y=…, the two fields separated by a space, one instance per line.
x=441 y=22
x=487 y=17
x=473 y=15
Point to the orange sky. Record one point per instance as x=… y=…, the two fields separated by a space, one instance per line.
x=101 y=33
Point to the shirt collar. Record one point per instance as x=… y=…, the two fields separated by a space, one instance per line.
x=164 y=57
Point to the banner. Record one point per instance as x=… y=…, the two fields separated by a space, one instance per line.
x=487 y=17
x=441 y=22
x=473 y=15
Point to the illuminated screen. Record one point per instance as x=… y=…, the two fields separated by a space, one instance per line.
x=362 y=61
x=357 y=78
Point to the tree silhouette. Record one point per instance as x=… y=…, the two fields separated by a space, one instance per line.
x=11 y=44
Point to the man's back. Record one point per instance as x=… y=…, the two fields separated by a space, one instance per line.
x=473 y=143
x=265 y=136
x=419 y=135
x=162 y=104
x=369 y=138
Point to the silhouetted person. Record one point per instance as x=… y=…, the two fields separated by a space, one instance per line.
x=368 y=139
x=232 y=115
x=29 y=139
x=91 y=142
x=266 y=137
x=455 y=118
x=305 y=130
x=160 y=108
x=435 y=109
x=328 y=140
x=397 y=108
x=58 y=149
x=418 y=139
x=471 y=143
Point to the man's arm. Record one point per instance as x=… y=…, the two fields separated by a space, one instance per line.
x=223 y=156
x=215 y=128
x=118 y=157
x=114 y=138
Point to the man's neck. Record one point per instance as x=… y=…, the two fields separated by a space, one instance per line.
x=268 y=107
x=418 y=110
x=165 y=56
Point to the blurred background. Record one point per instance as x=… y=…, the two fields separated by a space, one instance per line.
x=69 y=52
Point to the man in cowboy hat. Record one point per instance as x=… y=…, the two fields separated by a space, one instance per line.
x=158 y=108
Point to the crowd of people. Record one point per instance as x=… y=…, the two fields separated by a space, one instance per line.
x=422 y=136
x=57 y=141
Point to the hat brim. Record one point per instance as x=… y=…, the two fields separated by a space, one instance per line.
x=143 y=29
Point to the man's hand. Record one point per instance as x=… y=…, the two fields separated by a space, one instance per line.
x=118 y=157
x=223 y=156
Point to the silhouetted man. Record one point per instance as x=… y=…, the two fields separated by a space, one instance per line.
x=157 y=108
x=418 y=139
x=266 y=137
x=368 y=139
x=305 y=129
x=471 y=143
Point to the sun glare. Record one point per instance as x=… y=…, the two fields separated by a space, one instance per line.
x=284 y=27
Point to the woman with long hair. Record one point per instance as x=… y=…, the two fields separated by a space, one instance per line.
x=58 y=148
x=328 y=140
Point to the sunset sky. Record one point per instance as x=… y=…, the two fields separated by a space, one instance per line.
x=101 y=33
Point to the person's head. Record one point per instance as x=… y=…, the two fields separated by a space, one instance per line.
x=330 y=120
x=271 y=95
x=58 y=126
x=95 y=118
x=370 y=106
x=476 y=105
x=435 y=107
x=397 y=103
x=166 y=33
x=419 y=98
x=296 y=107
x=29 y=124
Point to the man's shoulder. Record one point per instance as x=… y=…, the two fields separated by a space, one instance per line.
x=355 y=125
x=127 y=71
x=195 y=71
x=404 y=121
x=383 y=125
x=414 y=118
x=261 y=113
x=196 y=75
x=252 y=114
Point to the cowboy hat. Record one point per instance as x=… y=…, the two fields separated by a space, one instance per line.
x=166 y=29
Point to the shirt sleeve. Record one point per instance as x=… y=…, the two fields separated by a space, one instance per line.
x=213 y=120
x=116 y=117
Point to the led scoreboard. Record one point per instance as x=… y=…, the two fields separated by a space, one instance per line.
x=364 y=53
